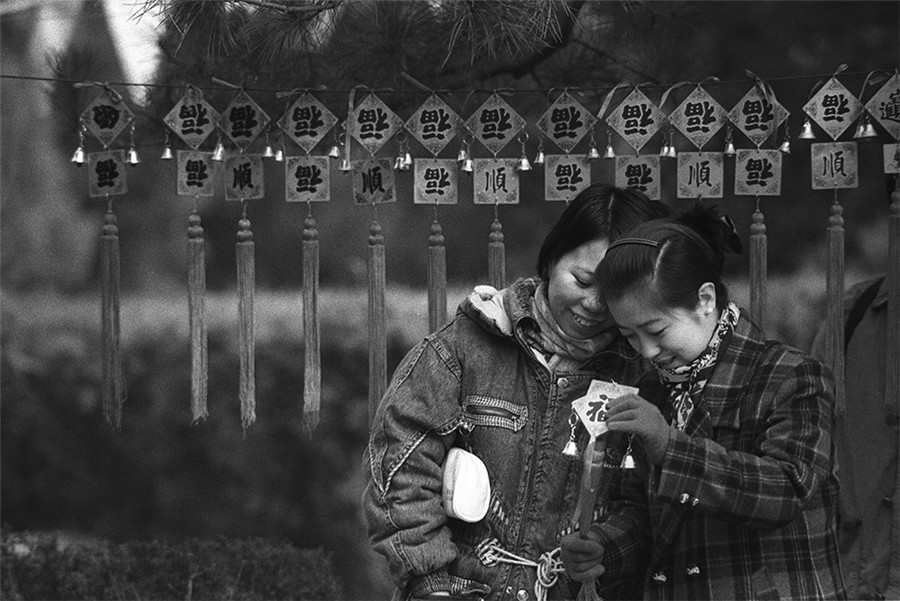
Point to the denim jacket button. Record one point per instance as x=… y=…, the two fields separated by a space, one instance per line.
x=563 y=382
x=522 y=595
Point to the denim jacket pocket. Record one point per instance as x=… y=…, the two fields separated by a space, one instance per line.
x=480 y=410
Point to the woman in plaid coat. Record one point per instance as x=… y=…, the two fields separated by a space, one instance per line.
x=735 y=494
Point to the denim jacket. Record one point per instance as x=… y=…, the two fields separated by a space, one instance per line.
x=477 y=384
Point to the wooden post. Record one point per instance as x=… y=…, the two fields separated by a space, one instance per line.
x=312 y=363
x=892 y=373
x=437 y=278
x=758 y=268
x=376 y=325
x=834 y=293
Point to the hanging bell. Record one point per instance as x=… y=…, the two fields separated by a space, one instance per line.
x=524 y=164
x=672 y=153
x=219 y=152
x=785 y=146
x=729 y=149
x=78 y=157
x=407 y=160
x=571 y=449
x=345 y=166
x=133 y=158
x=628 y=461
x=268 y=153
x=593 y=153
x=468 y=165
x=610 y=153
x=279 y=155
x=334 y=152
x=539 y=157
x=664 y=151
x=167 y=153
x=869 y=130
x=398 y=164
x=807 y=132
x=462 y=155
x=860 y=130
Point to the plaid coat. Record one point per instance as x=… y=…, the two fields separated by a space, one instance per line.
x=744 y=503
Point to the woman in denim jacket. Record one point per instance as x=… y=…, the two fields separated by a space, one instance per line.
x=499 y=381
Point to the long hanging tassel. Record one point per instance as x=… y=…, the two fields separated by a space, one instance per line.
x=496 y=255
x=312 y=362
x=834 y=293
x=246 y=283
x=376 y=326
x=437 y=278
x=197 y=318
x=591 y=479
x=113 y=388
x=892 y=371
x=758 y=268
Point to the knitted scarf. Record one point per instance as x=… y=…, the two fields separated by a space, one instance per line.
x=686 y=383
x=563 y=350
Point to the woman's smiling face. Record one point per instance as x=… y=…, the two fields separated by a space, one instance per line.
x=668 y=336
x=574 y=294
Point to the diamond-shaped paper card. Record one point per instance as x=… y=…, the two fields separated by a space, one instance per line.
x=307 y=121
x=884 y=106
x=436 y=181
x=641 y=172
x=834 y=165
x=591 y=408
x=434 y=125
x=195 y=173
x=243 y=120
x=636 y=119
x=307 y=179
x=834 y=108
x=495 y=123
x=757 y=115
x=565 y=176
x=106 y=173
x=373 y=182
x=757 y=172
x=106 y=117
x=192 y=118
x=891 y=153
x=566 y=122
x=495 y=181
x=244 y=177
x=701 y=174
x=372 y=123
x=699 y=117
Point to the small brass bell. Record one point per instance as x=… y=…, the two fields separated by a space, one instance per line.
x=571 y=449
x=664 y=151
x=219 y=152
x=78 y=157
x=539 y=157
x=133 y=158
x=345 y=166
x=785 y=146
x=610 y=153
x=334 y=152
x=468 y=165
x=524 y=164
x=807 y=132
x=593 y=153
x=167 y=153
x=672 y=152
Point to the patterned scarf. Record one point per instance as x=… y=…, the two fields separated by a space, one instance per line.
x=686 y=382
x=560 y=349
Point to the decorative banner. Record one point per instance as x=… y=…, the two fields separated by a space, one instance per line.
x=834 y=165
x=757 y=173
x=373 y=182
x=641 y=172
x=757 y=116
x=307 y=121
x=106 y=117
x=495 y=181
x=700 y=174
x=892 y=158
x=244 y=177
x=195 y=170
x=373 y=124
x=698 y=117
x=495 y=123
x=307 y=179
x=243 y=120
x=884 y=106
x=436 y=181
x=434 y=124
x=107 y=173
x=565 y=176
x=566 y=122
x=192 y=118
x=834 y=108
x=637 y=119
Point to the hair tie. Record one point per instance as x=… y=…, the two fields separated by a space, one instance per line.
x=640 y=241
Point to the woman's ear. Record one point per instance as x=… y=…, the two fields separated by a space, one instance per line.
x=706 y=298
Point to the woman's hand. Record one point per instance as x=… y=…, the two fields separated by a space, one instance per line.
x=581 y=556
x=634 y=415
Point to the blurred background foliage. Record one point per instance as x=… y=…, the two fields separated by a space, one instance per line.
x=61 y=466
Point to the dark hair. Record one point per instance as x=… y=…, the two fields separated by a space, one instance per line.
x=598 y=212
x=676 y=256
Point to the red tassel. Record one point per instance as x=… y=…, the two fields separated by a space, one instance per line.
x=758 y=269
x=376 y=324
x=312 y=367
x=246 y=283
x=197 y=317
x=497 y=256
x=113 y=389
x=834 y=293
x=437 y=278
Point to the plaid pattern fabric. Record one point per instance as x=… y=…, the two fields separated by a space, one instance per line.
x=744 y=504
